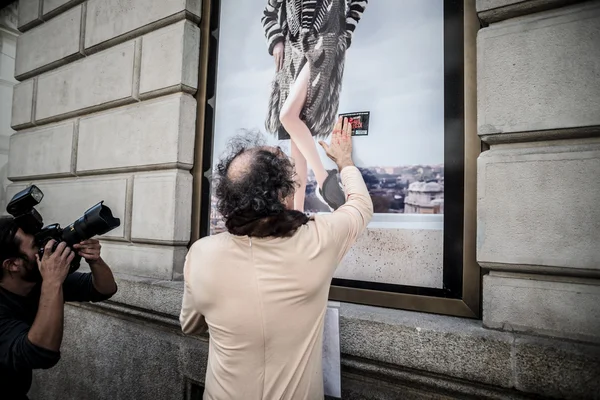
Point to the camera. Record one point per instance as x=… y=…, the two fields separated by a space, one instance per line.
x=97 y=220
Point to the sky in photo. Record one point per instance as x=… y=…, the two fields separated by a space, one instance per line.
x=394 y=69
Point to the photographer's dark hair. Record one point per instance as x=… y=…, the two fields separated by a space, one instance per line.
x=9 y=243
x=252 y=202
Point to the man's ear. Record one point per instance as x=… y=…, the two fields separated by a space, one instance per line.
x=11 y=264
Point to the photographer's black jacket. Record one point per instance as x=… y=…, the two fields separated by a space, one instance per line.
x=18 y=356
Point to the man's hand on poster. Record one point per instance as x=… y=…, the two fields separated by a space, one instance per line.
x=340 y=148
x=278 y=53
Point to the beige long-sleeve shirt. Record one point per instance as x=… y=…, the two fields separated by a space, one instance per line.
x=263 y=301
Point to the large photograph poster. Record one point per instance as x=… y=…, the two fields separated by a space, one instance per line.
x=382 y=61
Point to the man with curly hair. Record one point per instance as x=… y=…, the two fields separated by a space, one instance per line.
x=261 y=288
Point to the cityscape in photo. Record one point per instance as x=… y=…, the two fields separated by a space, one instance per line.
x=412 y=189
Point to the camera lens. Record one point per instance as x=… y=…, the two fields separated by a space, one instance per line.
x=96 y=221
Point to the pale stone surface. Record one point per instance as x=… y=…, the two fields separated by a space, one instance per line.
x=170 y=57
x=521 y=5
x=6 y=95
x=51 y=5
x=130 y=360
x=557 y=369
x=49 y=42
x=483 y=5
x=162 y=205
x=442 y=345
x=78 y=85
x=42 y=151
x=160 y=262
x=29 y=11
x=540 y=73
x=65 y=200
x=22 y=104
x=432 y=351
x=107 y=19
x=559 y=307
x=8 y=44
x=396 y=256
x=150 y=294
x=150 y=133
x=539 y=206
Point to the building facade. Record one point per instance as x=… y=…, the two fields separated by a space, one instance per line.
x=105 y=108
x=424 y=198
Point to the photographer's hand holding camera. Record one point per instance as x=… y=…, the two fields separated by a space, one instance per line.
x=33 y=291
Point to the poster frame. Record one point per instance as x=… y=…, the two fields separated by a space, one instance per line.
x=460 y=294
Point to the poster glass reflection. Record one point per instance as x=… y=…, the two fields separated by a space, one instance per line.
x=290 y=68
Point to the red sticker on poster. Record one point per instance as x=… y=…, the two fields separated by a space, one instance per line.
x=359 y=121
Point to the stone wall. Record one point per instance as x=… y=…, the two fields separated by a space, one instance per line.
x=105 y=111
x=8 y=46
x=538 y=192
x=113 y=351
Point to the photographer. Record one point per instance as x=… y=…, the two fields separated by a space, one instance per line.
x=32 y=296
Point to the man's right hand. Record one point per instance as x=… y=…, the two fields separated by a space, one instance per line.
x=54 y=266
x=339 y=150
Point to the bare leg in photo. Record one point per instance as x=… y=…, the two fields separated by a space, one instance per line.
x=299 y=133
x=301 y=175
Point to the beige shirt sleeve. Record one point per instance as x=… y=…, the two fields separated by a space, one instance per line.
x=192 y=322
x=349 y=221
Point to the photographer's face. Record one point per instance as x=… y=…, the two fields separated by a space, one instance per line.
x=29 y=268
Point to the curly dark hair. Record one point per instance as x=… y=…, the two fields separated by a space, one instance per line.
x=252 y=202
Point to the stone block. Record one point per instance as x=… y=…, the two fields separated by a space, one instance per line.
x=109 y=19
x=9 y=51
x=559 y=307
x=6 y=95
x=52 y=43
x=496 y=10
x=162 y=297
x=539 y=206
x=149 y=134
x=29 y=13
x=484 y=5
x=455 y=347
x=103 y=357
x=65 y=200
x=159 y=262
x=22 y=105
x=557 y=369
x=541 y=72
x=162 y=207
x=398 y=256
x=170 y=58
x=52 y=7
x=44 y=151
x=101 y=79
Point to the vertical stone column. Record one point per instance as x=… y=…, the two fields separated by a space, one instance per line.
x=8 y=45
x=105 y=111
x=539 y=182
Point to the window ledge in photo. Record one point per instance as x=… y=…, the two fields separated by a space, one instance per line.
x=406 y=221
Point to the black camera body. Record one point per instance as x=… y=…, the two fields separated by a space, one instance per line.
x=97 y=220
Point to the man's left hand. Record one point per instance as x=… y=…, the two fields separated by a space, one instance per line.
x=89 y=250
